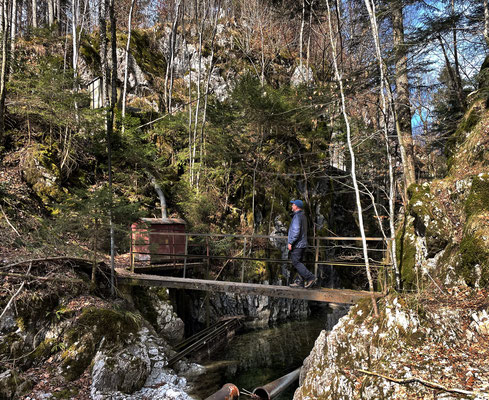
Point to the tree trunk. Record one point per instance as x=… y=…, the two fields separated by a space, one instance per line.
x=385 y=113
x=206 y=94
x=34 y=14
x=194 y=178
x=339 y=79
x=169 y=67
x=452 y=74
x=126 y=68
x=103 y=11
x=308 y=51
x=403 y=111
x=110 y=126
x=74 y=27
x=4 y=65
x=13 y=30
x=458 y=79
x=486 y=21
x=51 y=12
x=301 y=33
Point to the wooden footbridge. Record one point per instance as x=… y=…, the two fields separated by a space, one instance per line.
x=177 y=252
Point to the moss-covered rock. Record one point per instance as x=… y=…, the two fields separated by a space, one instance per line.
x=93 y=326
x=406 y=252
x=12 y=385
x=478 y=200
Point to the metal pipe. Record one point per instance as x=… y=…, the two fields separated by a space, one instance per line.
x=274 y=388
x=227 y=392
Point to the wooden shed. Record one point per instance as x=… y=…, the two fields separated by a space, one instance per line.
x=154 y=239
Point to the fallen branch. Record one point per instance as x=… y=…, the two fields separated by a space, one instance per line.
x=14 y=296
x=41 y=278
x=432 y=385
x=36 y=260
x=8 y=222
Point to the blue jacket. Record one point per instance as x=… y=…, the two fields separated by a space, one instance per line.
x=297 y=236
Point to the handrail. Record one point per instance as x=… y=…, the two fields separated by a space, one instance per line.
x=345 y=238
x=216 y=257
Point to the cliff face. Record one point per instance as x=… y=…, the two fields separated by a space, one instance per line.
x=439 y=334
x=442 y=340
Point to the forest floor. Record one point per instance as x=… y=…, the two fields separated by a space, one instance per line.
x=465 y=363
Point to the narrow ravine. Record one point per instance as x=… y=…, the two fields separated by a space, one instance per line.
x=256 y=357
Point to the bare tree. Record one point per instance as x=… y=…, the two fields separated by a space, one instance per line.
x=385 y=88
x=170 y=66
x=34 y=14
x=339 y=79
x=4 y=32
x=126 y=67
x=486 y=21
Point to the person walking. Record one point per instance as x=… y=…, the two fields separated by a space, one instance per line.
x=297 y=243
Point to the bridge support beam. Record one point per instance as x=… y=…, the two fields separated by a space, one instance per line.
x=342 y=296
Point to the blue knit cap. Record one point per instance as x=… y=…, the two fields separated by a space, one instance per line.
x=298 y=203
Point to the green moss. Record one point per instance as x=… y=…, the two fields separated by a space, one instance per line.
x=406 y=253
x=114 y=325
x=89 y=50
x=44 y=350
x=77 y=358
x=148 y=58
x=474 y=254
x=478 y=200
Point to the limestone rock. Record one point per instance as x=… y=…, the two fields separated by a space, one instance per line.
x=125 y=371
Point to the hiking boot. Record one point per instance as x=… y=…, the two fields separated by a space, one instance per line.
x=310 y=283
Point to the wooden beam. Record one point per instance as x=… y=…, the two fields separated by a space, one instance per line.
x=343 y=296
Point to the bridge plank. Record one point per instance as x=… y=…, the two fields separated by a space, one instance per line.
x=343 y=296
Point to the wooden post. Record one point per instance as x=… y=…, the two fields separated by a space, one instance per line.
x=207 y=318
x=387 y=252
x=316 y=258
x=173 y=251
x=132 y=253
x=243 y=264
x=185 y=259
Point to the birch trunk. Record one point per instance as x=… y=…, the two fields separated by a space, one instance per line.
x=486 y=21
x=113 y=102
x=34 y=14
x=194 y=177
x=13 y=29
x=301 y=33
x=352 y=156
x=308 y=51
x=126 y=68
x=50 y=12
x=206 y=94
x=385 y=112
x=74 y=26
x=169 y=69
x=4 y=65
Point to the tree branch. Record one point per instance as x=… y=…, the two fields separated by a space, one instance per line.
x=432 y=385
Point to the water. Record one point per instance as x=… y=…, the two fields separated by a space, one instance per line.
x=257 y=357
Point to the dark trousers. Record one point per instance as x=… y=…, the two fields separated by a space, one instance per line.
x=296 y=257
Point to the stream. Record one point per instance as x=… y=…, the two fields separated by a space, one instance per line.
x=256 y=357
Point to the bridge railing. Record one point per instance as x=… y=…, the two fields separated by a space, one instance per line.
x=203 y=249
